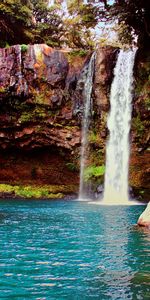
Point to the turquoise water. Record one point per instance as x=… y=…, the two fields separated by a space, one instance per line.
x=72 y=250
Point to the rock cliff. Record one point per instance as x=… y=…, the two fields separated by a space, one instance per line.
x=41 y=98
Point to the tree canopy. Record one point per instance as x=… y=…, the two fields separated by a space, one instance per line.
x=35 y=21
x=134 y=16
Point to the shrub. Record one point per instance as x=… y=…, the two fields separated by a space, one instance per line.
x=24 y=48
x=80 y=53
x=93 y=172
x=71 y=167
x=138 y=125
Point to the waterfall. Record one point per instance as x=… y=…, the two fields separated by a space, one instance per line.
x=117 y=150
x=86 y=122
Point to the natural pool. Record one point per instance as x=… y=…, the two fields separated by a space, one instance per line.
x=72 y=250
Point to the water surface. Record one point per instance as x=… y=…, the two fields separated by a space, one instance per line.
x=72 y=250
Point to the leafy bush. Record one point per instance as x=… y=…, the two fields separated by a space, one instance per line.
x=31 y=191
x=92 y=138
x=93 y=172
x=24 y=48
x=79 y=52
x=2 y=90
x=71 y=167
x=138 y=125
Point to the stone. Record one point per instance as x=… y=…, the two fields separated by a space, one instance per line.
x=144 y=219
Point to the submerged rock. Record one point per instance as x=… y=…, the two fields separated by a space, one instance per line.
x=144 y=219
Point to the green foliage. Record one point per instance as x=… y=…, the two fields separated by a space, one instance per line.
x=2 y=90
x=134 y=15
x=76 y=35
x=43 y=79
x=93 y=172
x=79 y=52
x=147 y=103
x=142 y=88
x=24 y=48
x=141 y=192
x=31 y=191
x=92 y=138
x=6 y=188
x=138 y=125
x=25 y=117
x=49 y=24
x=72 y=167
x=15 y=17
x=31 y=115
x=40 y=98
x=33 y=21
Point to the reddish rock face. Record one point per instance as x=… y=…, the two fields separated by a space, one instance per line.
x=104 y=65
x=41 y=98
x=36 y=99
x=22 y=69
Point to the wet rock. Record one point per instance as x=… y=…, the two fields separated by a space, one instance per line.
x=144 y=219
x=104 y=66
x=99 y=191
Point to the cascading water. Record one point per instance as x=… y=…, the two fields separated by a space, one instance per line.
x=117 y=151
x=85 y=123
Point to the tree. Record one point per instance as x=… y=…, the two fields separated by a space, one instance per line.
x=48 y=23
x=133 y=16
x=15 y=21
x=78 y=23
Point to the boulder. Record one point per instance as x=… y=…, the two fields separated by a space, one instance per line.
x=144 y=219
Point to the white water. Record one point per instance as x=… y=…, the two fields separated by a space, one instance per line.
x=85 y=123
x=117 y=151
